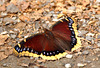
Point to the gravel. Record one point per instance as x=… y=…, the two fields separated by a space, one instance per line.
x=81 y=58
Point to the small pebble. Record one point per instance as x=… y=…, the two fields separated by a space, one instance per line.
x=1 y=29
x=13 y=36
x=18 y=20
x=10 y=20
x=5 y=32
x=54 y=19
x=69 y=56
x=84 y=25
x=5 y=65
x=31 y=58
x=72 y=8
x=89 y=47
x=2 y=2
x=93 y=66
x=1 y=20
x=16 y=29
x=52 y=4
x=54 y=15
x=92 y=41
x=98 y=23
x=97 y=49
x=98 y=44
x=52 y=12
x=10 y=43
x=36 y=67
x=80 y=65
x=49 y=15
x=98 y=36
x=26 y=36
x=97 y=16
x=82 y=32
x=47 y=21
x=11 y=32
x=97 y=0
x=7 y=23
x=3 y=13
x=14 y=18
x=89 y=38
x=85 y=52
x=87 y=61
x=12 y=8
x=45 y=25
x=90 y=34
x=68 y=65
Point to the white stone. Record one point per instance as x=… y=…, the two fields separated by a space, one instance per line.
x=18 y=20
x=3 y=13
x=14 y=18
x=55 y=19
x=90 y=34
x=97 y=0
x=80 y=65
x=5 y=32
x=47 y=21
x=69 y=56
x=98 y=44
x=68 y=65
x=26 y=36
x=31 y=57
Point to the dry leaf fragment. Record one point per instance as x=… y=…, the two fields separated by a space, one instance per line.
x=24 y=65
x=24 y=5
x=2 y=8
x=24 y=18
x=8 y=51
x=20 y=25
x=85 y=2
x=3 y=38
x=2 y=56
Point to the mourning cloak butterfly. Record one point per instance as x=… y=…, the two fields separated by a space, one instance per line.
x=51 y=44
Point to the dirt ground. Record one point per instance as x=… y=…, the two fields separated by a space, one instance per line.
x=21 y=18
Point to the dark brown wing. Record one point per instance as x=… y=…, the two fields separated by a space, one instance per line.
x=64 y=34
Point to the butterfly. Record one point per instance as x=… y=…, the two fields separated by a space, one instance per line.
x=53 y=43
